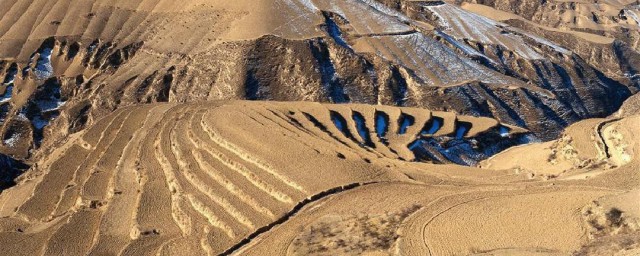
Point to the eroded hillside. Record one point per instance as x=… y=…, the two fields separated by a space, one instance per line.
x=205 y=179
x=319 y=127
x=66 y=64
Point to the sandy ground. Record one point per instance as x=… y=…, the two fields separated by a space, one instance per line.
x=253 y=178
x=273 y=178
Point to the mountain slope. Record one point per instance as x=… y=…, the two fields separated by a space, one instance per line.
x=71 y=62
x=204 y=176
x=319 y=127
x=205 y=179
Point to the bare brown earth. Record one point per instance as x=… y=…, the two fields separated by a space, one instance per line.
x=319 y=127
x=612 y=19
x=252 y=178
x=66 y=64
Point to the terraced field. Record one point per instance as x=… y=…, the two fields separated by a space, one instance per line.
x=205 y=178
x=319 y=127
x=169 y=169
x=66 y=64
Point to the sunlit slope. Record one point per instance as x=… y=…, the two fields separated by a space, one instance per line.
x=586 y=149
x=184 y=26
x=587 y=210
x=307 y=178
x=203 y=177
x=66 y=64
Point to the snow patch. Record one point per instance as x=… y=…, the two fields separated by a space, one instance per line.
x=330 y=80
x=92 y=47
x=633 y=16
x=466 y=49
x=433 y=62
x=44 y=69
x=303 y=10
x=462 y=24
x=334 y=31
x=309 y=5
x=529 y=139
x=368 y=17
x=632 y=76
x=11 y=141
x=465 y=151
x=386 y=10
x=6 y=97
x=11 y=76
x=504 y=131
x=546 y=42
x=50 y=105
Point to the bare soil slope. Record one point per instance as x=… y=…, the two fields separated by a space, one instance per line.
x=374 y=127
x=307 y=178
x=66 y=64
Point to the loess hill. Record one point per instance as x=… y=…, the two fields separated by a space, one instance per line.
x=319 y=127
x=196 y=179
x=65 y=64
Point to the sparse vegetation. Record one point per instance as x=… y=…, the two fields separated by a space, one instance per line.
x=354 y=234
